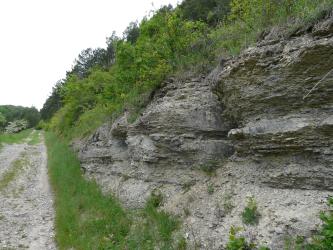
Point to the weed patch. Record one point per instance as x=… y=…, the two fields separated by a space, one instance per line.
x=251 y=215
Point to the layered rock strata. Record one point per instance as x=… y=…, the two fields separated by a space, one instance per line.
x=256 y=119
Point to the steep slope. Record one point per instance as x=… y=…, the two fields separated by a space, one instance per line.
x=246 y=130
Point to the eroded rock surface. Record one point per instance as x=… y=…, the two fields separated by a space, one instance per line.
x=249 y=119
x=179 y=131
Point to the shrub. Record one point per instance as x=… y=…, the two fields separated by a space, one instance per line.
x=155 y=199
x=210 y=188
x=227 y=204
x=16 y=126
x=324 y=239
x=238 y=242
x=210 y=167
x=250 y=215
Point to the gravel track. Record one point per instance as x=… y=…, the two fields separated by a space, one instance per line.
x=26 y=204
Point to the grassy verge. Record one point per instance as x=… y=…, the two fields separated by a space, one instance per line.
x=153 y=229
x=14 y=138
x=86 y=219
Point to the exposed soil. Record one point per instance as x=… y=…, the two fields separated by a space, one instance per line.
x=26 y=201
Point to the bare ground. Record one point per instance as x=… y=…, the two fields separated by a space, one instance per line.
x=26 y=201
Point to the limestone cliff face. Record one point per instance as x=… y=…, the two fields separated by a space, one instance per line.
x=249 y=120
x=265 y=92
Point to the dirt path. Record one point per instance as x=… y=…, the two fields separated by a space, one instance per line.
x=26 y=202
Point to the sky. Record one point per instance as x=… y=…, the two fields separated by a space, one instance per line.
x=40 y=39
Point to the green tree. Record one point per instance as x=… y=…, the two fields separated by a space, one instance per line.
x=3 y=121
x=132 y=32
x=12 y=113
x=209 y=11
x=54 y=102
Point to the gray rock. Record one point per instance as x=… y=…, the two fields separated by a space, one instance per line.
x=247 y=119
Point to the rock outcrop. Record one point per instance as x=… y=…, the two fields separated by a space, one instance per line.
x=179 y=132
x=254 y=127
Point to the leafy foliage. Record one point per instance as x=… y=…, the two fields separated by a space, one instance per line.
x=141 y=63
x=53 y=103
x=324 y=239
x=12 y=113
x=132 y=32
x=238 y=242
x=209 y=11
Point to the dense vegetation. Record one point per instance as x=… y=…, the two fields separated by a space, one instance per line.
x=9 y=113
x=191 y=37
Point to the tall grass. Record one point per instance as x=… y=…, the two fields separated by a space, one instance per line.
x=86 y=219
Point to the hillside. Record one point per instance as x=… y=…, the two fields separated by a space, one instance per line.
x=215 y=123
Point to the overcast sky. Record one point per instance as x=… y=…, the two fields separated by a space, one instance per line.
x=39 y=40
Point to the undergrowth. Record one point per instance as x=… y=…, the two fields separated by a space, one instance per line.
x=87 y=219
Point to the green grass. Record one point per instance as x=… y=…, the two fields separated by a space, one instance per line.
x=152 y=229
x=34 y=138
x=9 y=175
x=14 y=138
x=86 y=219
